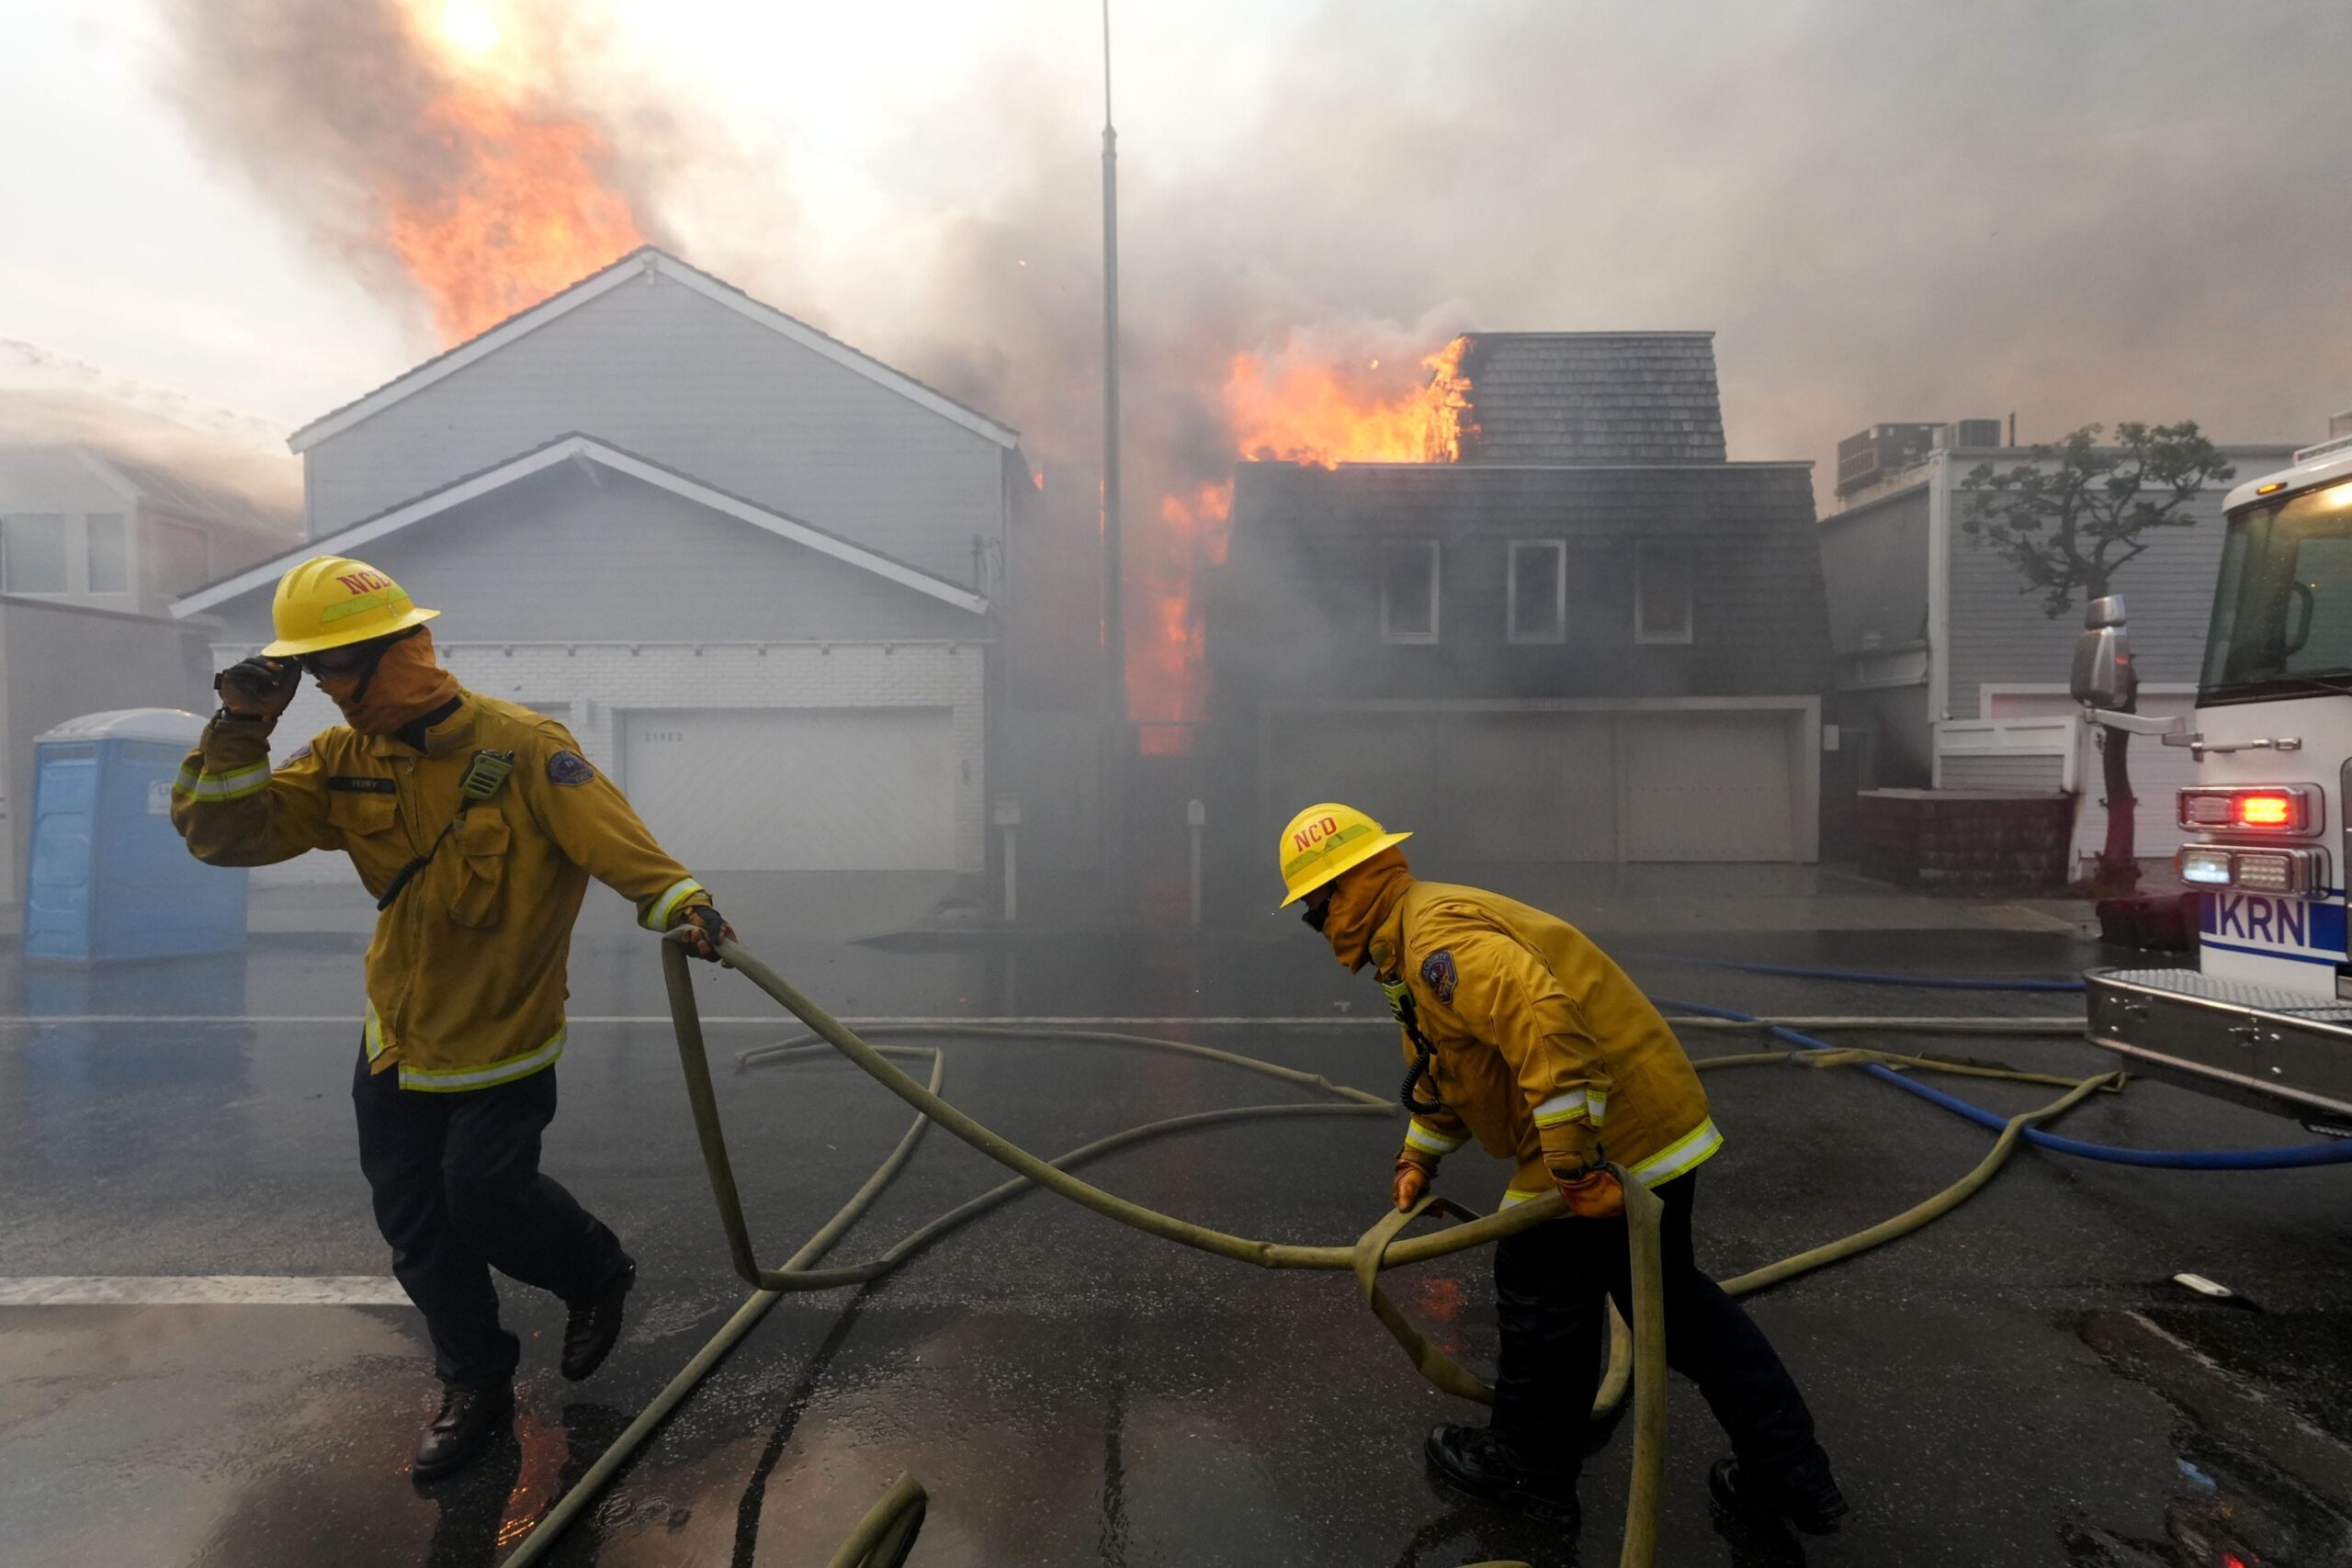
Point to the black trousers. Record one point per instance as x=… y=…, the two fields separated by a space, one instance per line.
x=458 y=1192
x=1550 y=1282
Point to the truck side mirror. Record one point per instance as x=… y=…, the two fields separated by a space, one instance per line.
x=2103 y=676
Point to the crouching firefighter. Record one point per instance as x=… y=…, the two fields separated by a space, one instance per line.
x=476 y=825
x=1520 y=1031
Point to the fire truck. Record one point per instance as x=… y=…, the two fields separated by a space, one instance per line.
x=2266 y=1017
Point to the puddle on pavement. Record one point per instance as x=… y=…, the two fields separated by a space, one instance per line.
x=2261 y=1473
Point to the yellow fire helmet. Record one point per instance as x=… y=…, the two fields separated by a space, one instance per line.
x=1323 y=841
x=329 y=602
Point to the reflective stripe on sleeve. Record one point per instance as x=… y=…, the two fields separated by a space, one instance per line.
x=1679 y=1156
x=1419 y=1135
x=234 y=784
x=375 y=1034
x=657 y=918
x=1598 y=1101
x=450 y=1080
x=1560 y=1108
x=1515 y=1196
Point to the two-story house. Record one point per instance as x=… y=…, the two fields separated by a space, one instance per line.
x=96 y=538
x=1590 y=639
x=1949 y=672
x=755 y=570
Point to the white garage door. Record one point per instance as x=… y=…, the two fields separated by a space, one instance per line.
x=1707 y=786
x=1564 y=786
x=796 y=789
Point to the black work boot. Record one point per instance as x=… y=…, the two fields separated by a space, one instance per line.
x=1476 y=1460
x=470 y=1413
x=1807 y=1498
x=589 y=1332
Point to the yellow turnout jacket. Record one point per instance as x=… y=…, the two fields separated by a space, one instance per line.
x=1546 y=1050
x=466 y=975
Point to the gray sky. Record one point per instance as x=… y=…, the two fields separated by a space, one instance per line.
x=1886 y=209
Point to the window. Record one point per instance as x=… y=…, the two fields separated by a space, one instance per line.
x=1539 y=591
x=109 y=564
x=32 y=553
x=183 y=557
x=1661 y=592
x=1408 y=591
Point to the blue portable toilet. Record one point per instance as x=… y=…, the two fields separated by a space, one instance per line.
x=109 y=876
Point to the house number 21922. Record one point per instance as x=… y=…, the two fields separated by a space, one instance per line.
x=665 y=735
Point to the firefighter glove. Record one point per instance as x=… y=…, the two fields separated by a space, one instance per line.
x=705 y=928
x=1414 y=1170
x=1592 y=1194
x=258 y=687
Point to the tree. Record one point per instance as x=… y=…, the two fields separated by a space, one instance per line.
x=2071 y=516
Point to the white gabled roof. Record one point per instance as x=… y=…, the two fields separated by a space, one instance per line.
x=585 y=448
x=645 y=262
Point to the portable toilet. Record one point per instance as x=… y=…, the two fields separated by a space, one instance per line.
x=109 y=876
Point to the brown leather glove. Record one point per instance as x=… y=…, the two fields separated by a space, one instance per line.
x=258 y=687
x=1592 y=1194
x=1411 y=1176
x=705 y=928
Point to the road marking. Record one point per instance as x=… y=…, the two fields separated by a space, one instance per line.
x=2009 y=1024
x=202 y=1290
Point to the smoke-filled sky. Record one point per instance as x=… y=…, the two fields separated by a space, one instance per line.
x=1885 y=208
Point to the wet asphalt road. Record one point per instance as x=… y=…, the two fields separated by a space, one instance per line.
x=2019 y=1385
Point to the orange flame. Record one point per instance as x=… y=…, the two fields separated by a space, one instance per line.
x=1315 y=409
x=1312 y=412
x=526 y=214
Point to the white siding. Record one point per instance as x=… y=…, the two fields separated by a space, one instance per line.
x=2000 y=635
x=595 y=687
x=564 y=557
x=658 y=369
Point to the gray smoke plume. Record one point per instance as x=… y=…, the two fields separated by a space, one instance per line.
x=1885 y=208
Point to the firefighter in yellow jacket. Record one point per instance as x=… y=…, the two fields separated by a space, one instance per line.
x=1523 y=1034
x=476 y=825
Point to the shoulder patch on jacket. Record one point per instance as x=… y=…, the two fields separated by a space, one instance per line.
x=1439 y=974
x=569 y=767
x=299 y=754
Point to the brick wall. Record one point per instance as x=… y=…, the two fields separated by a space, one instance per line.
x=1965 y=841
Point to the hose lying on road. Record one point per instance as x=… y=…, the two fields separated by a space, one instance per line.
x=1924 y=982
x=1638 y=1357
x=2291 y=1156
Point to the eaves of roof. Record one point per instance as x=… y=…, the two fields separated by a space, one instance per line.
x=639 y=262
x=588 y=449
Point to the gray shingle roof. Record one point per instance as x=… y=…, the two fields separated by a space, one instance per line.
x=1593 y=398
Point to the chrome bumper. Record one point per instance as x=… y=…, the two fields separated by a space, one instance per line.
x=2279 y=1050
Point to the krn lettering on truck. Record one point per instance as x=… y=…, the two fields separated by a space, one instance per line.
x=2266 y=1017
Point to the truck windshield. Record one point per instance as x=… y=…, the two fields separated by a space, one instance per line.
x=2282 y=615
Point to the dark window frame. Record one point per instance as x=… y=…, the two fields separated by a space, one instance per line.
x=1389 y=631
x=1644 y=633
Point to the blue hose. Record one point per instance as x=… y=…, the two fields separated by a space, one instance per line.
x=1929 y=982
x=2290 y=1157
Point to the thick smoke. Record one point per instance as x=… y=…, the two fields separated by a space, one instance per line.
x=1899 y=209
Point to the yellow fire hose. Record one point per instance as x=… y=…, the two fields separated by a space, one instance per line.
x=886 y=1534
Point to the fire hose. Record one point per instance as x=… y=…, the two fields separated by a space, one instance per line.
x=885 y=1536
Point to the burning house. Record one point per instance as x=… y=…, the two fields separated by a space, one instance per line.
x=756 y=572
x=1587 y=638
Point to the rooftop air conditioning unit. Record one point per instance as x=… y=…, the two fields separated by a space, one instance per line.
x=1976 y=433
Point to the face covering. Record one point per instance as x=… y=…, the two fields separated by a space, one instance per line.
x=1315 y=914
x=1363 y=899
x=406 y=683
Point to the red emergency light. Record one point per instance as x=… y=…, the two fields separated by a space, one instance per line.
x=2260 y=808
